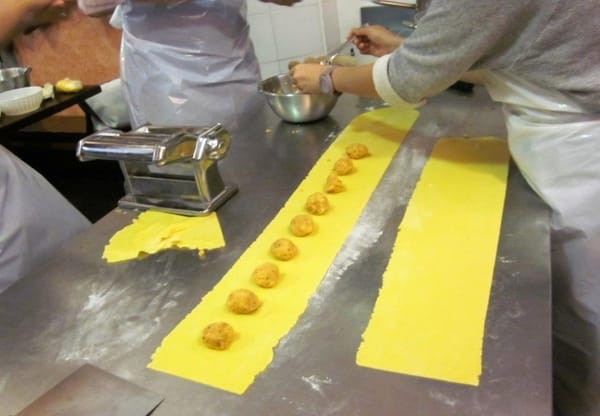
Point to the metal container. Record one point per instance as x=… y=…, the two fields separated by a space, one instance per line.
x=11 y=78
x=292 y=105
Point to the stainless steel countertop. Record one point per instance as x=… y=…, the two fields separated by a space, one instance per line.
x=77 y=309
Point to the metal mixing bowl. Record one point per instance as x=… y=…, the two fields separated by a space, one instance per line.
x=11 y=78
x=294 y=106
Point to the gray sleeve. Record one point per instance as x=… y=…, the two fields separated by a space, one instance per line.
x=452 y=37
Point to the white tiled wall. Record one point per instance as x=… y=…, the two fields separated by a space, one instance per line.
x=309 y=28
x=349 y=14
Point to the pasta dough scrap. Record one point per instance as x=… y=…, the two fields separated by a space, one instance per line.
x=154 y=231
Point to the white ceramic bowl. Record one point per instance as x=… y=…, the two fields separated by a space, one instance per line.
x=21 y=100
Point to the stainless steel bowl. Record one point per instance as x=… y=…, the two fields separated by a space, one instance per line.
x=11 y=78
x=292 y=105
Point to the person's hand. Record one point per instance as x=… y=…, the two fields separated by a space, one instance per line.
x=164 y=2
x=306 y=77
x=282 y=2
x=46 y=12
x=36 y=7
x=33 y=6
x=375 y=40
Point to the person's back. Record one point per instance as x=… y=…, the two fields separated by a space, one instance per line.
x=551 y=43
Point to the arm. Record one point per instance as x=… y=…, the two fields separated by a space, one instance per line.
x=375 y=40
x=474 y=77
x=438 y=53
x=11 y=18
x=451 y=40
x=279 y=2
x=356 y=80
x=16 y=16
x=282 y=2
x=166 y=2
x=371 y=40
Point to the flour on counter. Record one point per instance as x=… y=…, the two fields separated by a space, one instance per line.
x=315 y=382
x=505 y=259
x=3 y=382
x=113 y=321
x=443 y=398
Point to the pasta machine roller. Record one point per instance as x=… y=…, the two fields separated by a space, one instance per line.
x=171 y=169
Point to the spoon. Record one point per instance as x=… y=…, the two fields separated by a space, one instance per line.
x=330 y=56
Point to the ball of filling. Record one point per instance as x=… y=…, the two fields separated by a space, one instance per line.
x=317 y=204
x=243 y=301
x=302 y=225
x=284 y=249
x=218 y=335
x=343 y=166
x=333 y=185
x=357 y=151
x=266 y=275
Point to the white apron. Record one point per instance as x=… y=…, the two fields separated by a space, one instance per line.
x=35 y=220
x=556 y=146
x=187 y=63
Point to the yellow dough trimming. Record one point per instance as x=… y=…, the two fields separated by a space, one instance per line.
x=429 y=317
x=153 y=231
x=182 y=354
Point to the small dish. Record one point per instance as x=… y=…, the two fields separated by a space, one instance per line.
x=21 y=100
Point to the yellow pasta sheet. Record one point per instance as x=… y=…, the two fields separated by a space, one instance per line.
x=153 y=231
x=430 y=314
x=182 y=352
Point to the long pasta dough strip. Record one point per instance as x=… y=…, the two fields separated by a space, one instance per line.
x=182 y=353
x=429 y=317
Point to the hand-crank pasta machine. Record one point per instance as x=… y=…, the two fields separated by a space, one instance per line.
x=172 y=169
